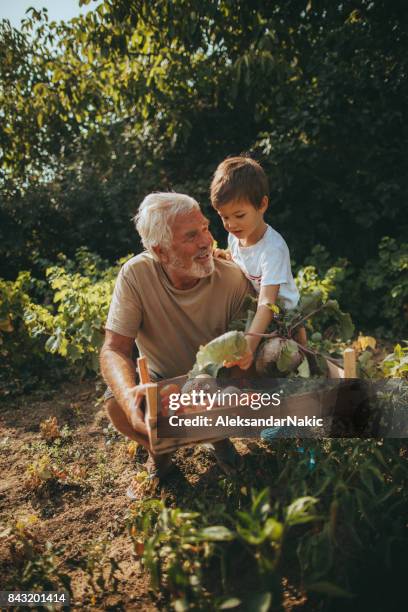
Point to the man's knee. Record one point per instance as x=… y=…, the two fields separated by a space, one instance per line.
x=113 y=409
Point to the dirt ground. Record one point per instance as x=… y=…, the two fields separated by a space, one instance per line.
x=81 y=510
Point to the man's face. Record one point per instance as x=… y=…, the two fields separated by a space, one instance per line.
x=190 y=255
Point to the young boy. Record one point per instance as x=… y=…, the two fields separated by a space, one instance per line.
x=239 y=193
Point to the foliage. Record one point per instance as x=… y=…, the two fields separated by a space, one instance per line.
x=382 y=278
x=14 y=298
x=385 y=280
x=280 y=354
x=337 y=525
x=76 y=330
x=180 y=547
x=68 y=324
x=395 y=365
x=39 y=562
x=353 y=480
x=138 y=96
x=22 y=356
x=97 y=558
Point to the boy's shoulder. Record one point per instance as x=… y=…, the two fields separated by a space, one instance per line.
x=274 y=239
x=226 y=269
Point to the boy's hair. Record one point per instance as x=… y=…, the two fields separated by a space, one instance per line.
x=239 y=178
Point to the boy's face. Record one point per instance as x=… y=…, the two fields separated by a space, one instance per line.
x=241 y=219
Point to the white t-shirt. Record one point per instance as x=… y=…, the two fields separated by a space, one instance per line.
x=267 y=263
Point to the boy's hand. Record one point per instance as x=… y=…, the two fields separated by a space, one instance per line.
x=244 y=363
x=222 y=254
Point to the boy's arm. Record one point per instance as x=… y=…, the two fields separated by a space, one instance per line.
x=260 y=322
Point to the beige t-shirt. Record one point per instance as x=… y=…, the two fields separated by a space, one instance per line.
x=170 y=324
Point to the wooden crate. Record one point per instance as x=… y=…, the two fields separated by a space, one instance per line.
x=315 y=403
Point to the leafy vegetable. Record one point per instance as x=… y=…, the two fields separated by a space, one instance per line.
x=231 y=346
x=289 y=358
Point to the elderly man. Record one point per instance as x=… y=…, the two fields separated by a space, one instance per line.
x=171 y=299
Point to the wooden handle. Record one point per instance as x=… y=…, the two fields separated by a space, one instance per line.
x=143 y=370
x=350 y=370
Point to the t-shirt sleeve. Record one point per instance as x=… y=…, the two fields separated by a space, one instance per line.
x=275 y=266
x=125 y=312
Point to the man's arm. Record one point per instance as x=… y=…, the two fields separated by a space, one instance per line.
x=118 y=370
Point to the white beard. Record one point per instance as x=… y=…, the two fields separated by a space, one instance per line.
x=196 y=270
x=201 y=270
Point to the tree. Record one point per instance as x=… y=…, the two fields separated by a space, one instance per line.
x=140 y=95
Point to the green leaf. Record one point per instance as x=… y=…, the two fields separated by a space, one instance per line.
x=229 y=604
x=328 y=588
x=285 y=361
x=52 y=344
x=345 y=323
x=310 y=302
x=273 y=529
x=217 y=533
x=304 y=369
x=261 y=602
x=301 y=511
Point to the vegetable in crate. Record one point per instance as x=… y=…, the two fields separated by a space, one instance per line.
x=280 y=355
x=201 y=382
x=210 y=358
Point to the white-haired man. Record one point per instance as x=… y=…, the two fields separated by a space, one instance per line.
x=170 y=299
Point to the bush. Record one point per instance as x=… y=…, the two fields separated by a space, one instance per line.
x=22 y=355
x=69 y=322
x=376 y=294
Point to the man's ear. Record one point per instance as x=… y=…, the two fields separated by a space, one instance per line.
x=161 y=254
x=264 y=203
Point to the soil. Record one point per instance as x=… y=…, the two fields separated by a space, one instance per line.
x=83 y=505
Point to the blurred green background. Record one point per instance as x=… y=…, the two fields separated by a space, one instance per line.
x=136 y=96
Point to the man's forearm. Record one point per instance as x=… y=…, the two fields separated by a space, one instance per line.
x=118 y=371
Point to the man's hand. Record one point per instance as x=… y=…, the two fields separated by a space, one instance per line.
x=133 y=398
x=244 y=363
